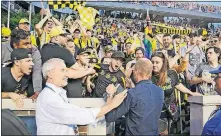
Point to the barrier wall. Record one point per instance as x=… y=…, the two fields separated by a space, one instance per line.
x=29 y=111
x=201 y=108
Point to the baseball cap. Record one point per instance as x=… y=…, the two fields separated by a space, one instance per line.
x=19 y=54
x=216 y=71
x=118 y=54
x=108 y=48
x=83 y=51
x=58 y=30
x=24 y=20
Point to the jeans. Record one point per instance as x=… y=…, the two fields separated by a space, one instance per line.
x=30 y=122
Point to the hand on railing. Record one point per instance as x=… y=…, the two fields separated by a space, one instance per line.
x=18 y=99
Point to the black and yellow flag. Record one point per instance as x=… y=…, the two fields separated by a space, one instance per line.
x=87 y=14
x=57 y=4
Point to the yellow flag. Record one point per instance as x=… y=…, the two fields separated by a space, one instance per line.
x=87 y=16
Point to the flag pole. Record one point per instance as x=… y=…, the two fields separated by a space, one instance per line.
x=42 y=5
x=30 y=10
x=8 y=13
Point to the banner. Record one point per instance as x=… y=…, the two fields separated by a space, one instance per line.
x=57 y=4
x=157 y=29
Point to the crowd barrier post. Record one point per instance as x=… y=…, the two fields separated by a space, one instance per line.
x=201 y=108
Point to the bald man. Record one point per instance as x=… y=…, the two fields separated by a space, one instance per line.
x=143 y=104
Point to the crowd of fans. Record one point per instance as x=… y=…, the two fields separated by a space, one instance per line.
x=106 y=55
x=192 y=6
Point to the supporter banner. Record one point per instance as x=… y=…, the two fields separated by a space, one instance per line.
x=57 y=4
x=170 y=30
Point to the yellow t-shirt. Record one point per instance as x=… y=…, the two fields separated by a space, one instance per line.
x=114 y=42
x=33 y=40
x=45 y=38
x=96 y=42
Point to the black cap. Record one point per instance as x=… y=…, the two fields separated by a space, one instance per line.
x=20 y=53
x=118 y=54
x=83 y=51
x=140 y=48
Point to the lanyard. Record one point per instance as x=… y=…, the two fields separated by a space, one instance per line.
x=55 y=92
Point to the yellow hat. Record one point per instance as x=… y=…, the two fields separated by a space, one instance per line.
x=58 y=30
x=24 y=20
x=6 y=31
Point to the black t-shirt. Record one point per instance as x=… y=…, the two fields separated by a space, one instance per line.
x=168 y=88
x=105 y=77
x=53 y=50
x=128 y=58
x=74 y=88
x=9 y=84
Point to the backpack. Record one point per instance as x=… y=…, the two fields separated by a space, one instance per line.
x=12 y=125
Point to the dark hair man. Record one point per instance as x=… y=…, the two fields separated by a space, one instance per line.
x=21 y=39
x=203 y=78
x=139 y=54
x=110 y=74
x=16 y=79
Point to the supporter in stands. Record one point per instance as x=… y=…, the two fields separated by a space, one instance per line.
x=108 y=50
x=76 y=37
x=55 y=47
x=129 y=54
x=71 y=47
x=110 y=74
x=173 y=54
x=54 y=114
x=168 y=80
x=25 y=25
x=43 y=28
x=139 y=54
x=196 y=56
x=213 y=125
x=142 y=105
x=6 y=32
x=16 y=77
x=202 y=78
x=215 y=41
x=21 y=39
x=75 y=86
x=176 y=41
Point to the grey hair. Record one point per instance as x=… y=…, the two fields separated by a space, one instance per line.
x=49 y=65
